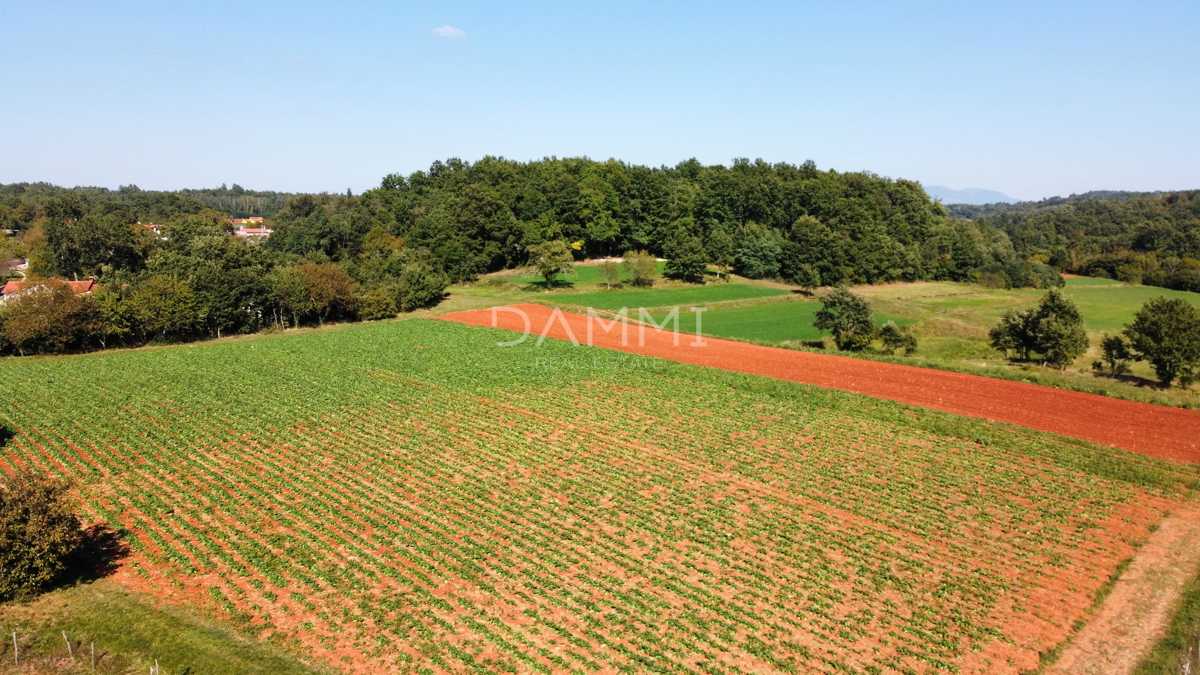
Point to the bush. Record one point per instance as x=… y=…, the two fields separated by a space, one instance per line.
x=5 y=345
x=376 y=304
x=848 y=317
x=421 y=284
x=330 y=290
x=1054 y=330
x=39 y=533
x=1167 y=334
x=895 y=338
x=641 y=266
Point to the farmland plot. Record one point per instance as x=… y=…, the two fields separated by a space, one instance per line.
x=408 y=496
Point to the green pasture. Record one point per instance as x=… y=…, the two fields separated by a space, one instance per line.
x=682 y=296
x=774 y=322
x=1106 y=305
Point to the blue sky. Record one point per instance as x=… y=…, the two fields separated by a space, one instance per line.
x=1029 y=98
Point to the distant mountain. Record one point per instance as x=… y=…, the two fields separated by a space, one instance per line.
x=968 y=196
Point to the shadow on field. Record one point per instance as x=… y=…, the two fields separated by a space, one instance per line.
x=100 y=553
x=6 y=434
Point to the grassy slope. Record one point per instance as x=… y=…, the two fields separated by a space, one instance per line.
x=130 y=632
x=270 y=382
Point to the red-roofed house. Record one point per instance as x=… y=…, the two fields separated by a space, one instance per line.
x=153 y=227
x=15 y=288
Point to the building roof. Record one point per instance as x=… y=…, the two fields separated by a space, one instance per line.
x=79 y=287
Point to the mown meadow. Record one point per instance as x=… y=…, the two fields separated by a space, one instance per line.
x=407 y=496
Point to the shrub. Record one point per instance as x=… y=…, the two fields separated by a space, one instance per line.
x=895 y=338
x=330 y=290
x=376 y=304
x=39 y=532
x=848 y=317
x=1167 y=334
x=5 y=345
x=421 y=284
x=609 y=272
x=641 y=266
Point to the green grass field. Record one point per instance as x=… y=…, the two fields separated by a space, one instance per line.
x=953 y=320
x=1106 y=305
x=682 y=296
x=408 y=495
x=775 y=322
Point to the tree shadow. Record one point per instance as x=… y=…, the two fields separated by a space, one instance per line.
x=549 y=285
x=6 y=434
x=99 y=555
x=1135 y=380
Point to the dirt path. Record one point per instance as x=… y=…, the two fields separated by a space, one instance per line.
x=1170 y=433
x=1135 y=615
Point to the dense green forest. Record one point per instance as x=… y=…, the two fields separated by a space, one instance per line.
x=1143 y=238
x=972 y=211
x=397 y=247
x=236 y=201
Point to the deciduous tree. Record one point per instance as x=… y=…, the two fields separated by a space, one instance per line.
x=1166 y=333
x=848 y=317
x=552 y=258
x=641 y=266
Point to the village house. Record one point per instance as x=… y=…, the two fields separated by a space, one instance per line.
x=14 y=289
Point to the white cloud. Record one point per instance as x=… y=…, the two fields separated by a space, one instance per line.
x=448 y=32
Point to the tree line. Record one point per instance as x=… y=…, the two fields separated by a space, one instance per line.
x=394 y=248
x=193 y=279
x=1141 y=238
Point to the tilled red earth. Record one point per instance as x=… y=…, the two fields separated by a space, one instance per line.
x=1158 y=431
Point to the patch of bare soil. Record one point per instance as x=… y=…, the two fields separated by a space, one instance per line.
x=1135 y=615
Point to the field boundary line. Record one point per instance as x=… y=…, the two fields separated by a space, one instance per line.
x=1135 y=615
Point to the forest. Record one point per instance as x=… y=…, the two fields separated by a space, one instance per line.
x=1141 y=238
x=397 y=247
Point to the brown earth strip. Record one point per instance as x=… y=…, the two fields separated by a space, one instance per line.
x=1135 y=615
x=1157 y=431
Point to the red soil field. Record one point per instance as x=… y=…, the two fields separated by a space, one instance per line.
x=1157 y=431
